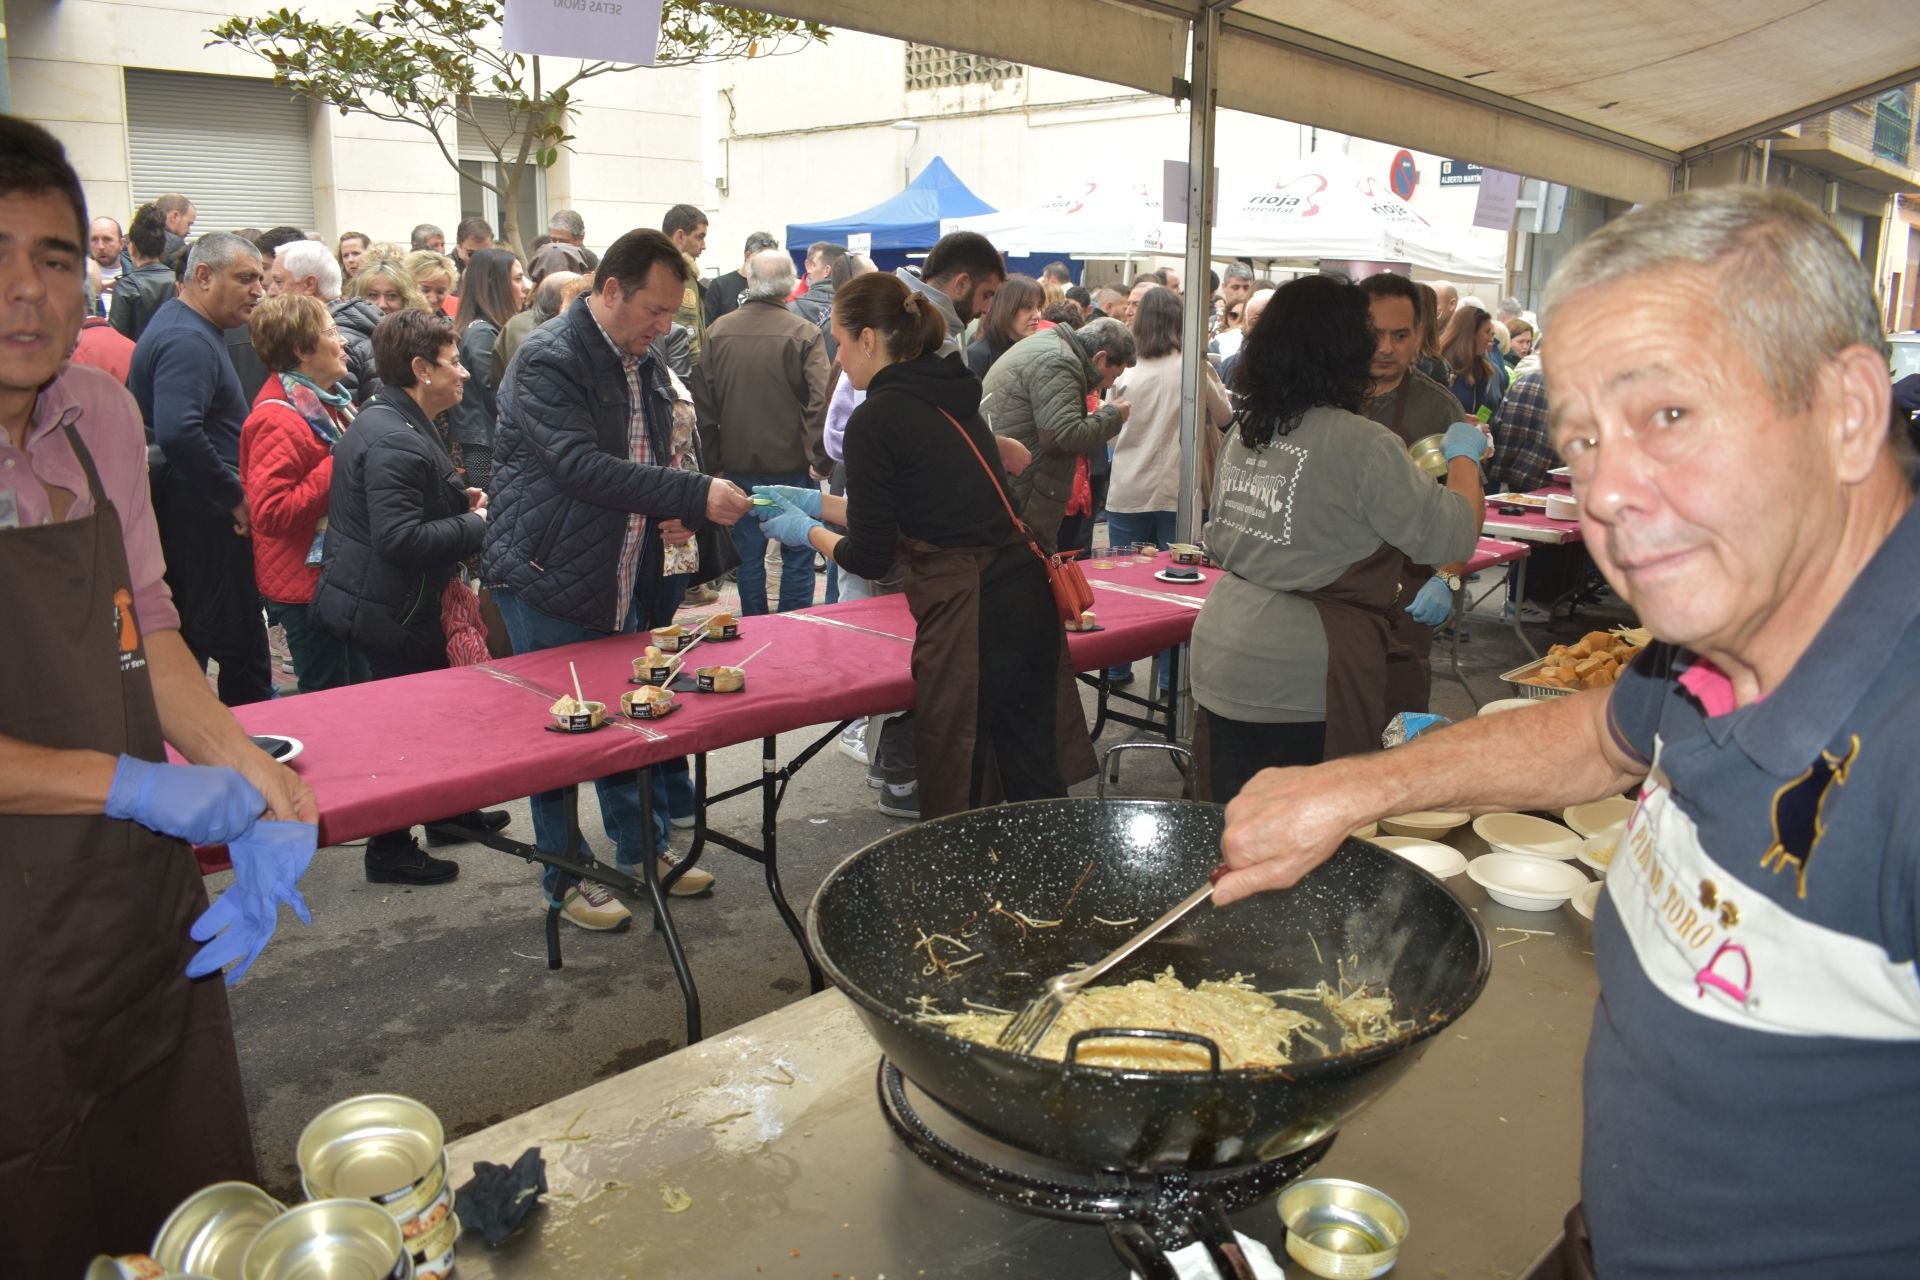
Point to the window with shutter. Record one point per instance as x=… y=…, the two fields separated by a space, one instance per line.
x=239 y=148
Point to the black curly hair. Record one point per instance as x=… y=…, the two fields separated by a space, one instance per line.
x=1312 y=346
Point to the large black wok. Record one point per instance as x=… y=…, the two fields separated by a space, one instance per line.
x=1146 y=855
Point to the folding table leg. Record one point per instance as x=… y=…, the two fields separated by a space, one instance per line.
x=571 y=848
x=769 y=835
x=1519 y=570
x=1455 y=621
x=650 y=875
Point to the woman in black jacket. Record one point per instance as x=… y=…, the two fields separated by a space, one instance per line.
x=1014 y=314
x=996 y=716
x=491 y=293
x=399 y=522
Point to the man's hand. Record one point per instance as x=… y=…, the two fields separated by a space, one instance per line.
x=1124 y=408
x=288 y=797
x=675 y=534
x=1014 y=456
x=727 y=502
x=242 y=519
x=1282 y=825
x=476 y=500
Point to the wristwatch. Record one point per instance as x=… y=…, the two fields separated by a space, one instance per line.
x=1452 y=580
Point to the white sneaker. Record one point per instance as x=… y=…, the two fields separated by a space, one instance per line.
x=1530 y=613
x=682 y=821
x=591 y=905
x=853 y=740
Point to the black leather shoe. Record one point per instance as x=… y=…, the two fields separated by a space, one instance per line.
x=480 y=820
x=408 y=864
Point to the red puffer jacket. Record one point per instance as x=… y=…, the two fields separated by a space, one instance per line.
x=286 y=469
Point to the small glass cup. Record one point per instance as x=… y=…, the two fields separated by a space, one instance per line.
x=1102 y=557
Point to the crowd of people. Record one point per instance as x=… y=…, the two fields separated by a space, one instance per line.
x=342 y=438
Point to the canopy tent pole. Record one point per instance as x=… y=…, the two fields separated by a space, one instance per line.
x=1193 y=340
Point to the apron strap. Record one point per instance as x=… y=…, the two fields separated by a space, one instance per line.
x=94 y=487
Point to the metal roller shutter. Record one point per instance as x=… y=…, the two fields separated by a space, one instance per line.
x=240 y=149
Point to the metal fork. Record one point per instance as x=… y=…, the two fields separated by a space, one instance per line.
x=1030 y=1026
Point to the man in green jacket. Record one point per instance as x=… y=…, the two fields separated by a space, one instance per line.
x=1037 y=394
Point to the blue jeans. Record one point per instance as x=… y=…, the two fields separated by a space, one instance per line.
x=531 y=630
x=796 y=563
x=1143 y=526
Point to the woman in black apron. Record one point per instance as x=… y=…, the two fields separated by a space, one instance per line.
x=1315 y=511
x=996 y=713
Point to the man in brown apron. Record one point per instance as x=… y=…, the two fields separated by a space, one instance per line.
x=1413 y=406
x=119 y=1085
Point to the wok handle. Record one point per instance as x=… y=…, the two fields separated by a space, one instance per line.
x=1143 y=1033
x=1182 y=760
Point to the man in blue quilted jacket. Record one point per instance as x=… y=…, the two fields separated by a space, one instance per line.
x=584 y=497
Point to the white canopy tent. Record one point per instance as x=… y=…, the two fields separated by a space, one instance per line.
x=1322 y=206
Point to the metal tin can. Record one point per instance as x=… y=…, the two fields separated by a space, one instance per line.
x=329 y=1238
x=389 y=1150
x=210 y=1231
x=128 y=1266
x=433 y=1251
x=1342 y=1230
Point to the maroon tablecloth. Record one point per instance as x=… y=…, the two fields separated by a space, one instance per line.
x=384 y=755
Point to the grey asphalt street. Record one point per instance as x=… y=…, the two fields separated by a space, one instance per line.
x=443 y=993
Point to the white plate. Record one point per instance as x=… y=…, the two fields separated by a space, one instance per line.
x=1523 y=833
x=1600 y=866
x=1498 y=705
x=293 y=748
x=1162 y=574
x=1599 y=815
x=1425 y=824
x=1431 y=856
x=1524 y=882
x=1588 y=899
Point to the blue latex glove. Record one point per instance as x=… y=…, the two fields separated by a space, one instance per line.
x=1433 y=605
x=1464 y=440
x=267 y=862
x=807 y=500
x=784 y=522
x=201 y=804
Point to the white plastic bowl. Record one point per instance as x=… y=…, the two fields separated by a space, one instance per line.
x=1430 y=856
x=1562 y=507
x=1498 y=705
x=1587 y=901
x=1592 y=818
x=1524 y=882
x=1428 y=824
x=1523 y=833
x=1598 y=852
x=1367 y=832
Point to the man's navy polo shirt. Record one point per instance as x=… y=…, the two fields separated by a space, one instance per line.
x=1753 y=1077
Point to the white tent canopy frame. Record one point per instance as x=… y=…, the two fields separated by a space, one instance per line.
x=1316 y=207
x=1613 y=96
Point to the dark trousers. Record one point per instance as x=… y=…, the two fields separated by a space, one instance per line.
x=1018 y=693
x=1238 y=749
x=210 y=570
x=320 y=660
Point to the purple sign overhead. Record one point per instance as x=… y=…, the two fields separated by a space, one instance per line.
x=1498 y=194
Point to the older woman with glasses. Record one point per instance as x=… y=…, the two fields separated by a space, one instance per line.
x=398 y=527
x=286 y=468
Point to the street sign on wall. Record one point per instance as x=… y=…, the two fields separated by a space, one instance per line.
x=1459 y=173
x=1402 y=174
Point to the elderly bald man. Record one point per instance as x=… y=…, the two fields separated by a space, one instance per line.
x=761 y=393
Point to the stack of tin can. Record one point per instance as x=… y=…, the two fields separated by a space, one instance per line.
x=380 y=1204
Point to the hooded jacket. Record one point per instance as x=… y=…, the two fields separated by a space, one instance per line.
x=356 y=318
x=911 y=474
x=1036 y=393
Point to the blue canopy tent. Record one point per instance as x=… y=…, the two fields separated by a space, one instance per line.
x=905 y=226
x=909 y=221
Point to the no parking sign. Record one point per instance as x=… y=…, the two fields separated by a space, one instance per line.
x=1402 y=175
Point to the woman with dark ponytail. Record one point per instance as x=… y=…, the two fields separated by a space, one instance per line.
x=996 y=715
